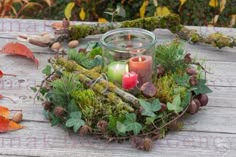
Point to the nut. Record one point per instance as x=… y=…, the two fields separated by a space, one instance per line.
x=56 y=46
x=17 y=117
x=73 y=44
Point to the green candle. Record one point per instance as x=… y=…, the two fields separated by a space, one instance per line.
x=116 y=71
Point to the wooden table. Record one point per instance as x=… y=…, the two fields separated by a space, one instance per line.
x=211 y=132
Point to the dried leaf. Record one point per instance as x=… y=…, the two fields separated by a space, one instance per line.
x=102 y=20
x=4 y=112
x=82 y=14
x=12 y=48
x=14 y=126
x=7 y=125
x=213 y=3
x=181 y=4
x=57 y=25
x=68 y=10
x=143 y=7
x=162 y=11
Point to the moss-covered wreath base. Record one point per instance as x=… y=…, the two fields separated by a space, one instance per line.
x=76 y=96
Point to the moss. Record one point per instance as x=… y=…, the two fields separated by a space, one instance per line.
x=165 y=88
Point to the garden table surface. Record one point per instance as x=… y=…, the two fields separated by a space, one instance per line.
x=209 y=133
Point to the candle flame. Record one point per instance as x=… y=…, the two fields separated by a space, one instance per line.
x=140 y=59
x=126 y=68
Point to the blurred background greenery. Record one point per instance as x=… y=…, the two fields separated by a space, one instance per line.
x=192 y=12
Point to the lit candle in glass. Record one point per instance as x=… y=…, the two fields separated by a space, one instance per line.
x=142 y=65
x=115 y=71
x=129 y=80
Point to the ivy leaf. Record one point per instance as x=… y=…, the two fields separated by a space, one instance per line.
x=201 y=88
x=47 y=70
x=72 y=106
x=120 y=127
x=186 y=99
x=131 y=124
x=182 y=80
x=175 y=105
x=75 y=121
x=54 y=119
x=150 y=108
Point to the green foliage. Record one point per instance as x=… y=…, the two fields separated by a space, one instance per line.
x=171 y=56
x=83 y=60
x=201 y=88
x=175 y=105
x=63 y=88
x=75 y=121
x=47 y=70
x=182 y=80
x=129 y=124
x=150 y=108
x=165 y=87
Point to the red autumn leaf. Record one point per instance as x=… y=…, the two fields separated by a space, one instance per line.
x=12 y=48
x=1 y=74
x=7 y=125
x=4 y=112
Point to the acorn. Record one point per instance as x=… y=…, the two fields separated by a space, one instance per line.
x=59 y=111
x=191 y=71
x=187 y=58
x=193 y=107
x=193 y=80
x=160 y=70
x=56 y=46
x=148 y=89
x=73 y=44
x=84 y=130
x=147 y=143
x=102 y=125
x=17 y=117
x=47 y=105
x=203 y=98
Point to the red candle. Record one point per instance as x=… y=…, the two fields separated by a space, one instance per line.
x=142 y=65
x=129 y=80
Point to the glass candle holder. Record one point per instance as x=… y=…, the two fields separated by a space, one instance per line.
x=128 y=56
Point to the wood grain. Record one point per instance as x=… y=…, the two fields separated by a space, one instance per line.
x=211 y=132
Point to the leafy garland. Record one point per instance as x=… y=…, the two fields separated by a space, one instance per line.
x=73 y=99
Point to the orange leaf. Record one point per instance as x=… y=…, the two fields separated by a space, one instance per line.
x=14 y=126
x=4 y=112
x=4 y=123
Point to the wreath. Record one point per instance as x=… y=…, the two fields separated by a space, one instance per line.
x=78 y=97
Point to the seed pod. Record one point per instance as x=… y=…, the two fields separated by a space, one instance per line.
x=102 y=125
x=187 y=58
x=147 y=143
x=203 y=98
x=56 y=46
x=197 y=102
x=73 y=44
x=191 y=71
x=148 y=89
x=84 y=130
x=160 y=70
x=47 y=105
x=59 y=111
x=17 y=117
x=193 y=107
x=193 y=80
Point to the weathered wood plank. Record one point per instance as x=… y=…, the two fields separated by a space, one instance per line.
x=39 y=139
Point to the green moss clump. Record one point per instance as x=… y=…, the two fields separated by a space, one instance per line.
x=165 y=86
